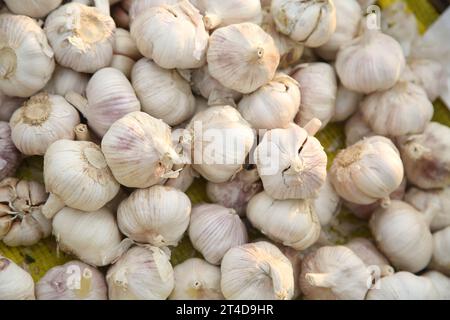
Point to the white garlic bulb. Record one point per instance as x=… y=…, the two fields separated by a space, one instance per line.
x=143 y=273
x=242 y=57
x=164 y=94
x=291 y=163
x=73 y=280
x=196 y=279
x=356 y=128
x=223 y=13
x=32 y=8
x=81 y=36
x=256 y=271
x=76 y=174
x=93 y=237
x=429 y=74
x=9 y=155
x=441 y=251
x=295 y=257
x=293 y=223
x=318 y=88
x=402 y=234
x=139 y=6
x=15 y=283
x=274 y=105
x=327 y=203
x=42 y=120
x=311 y=22
x=8 y=105
x=65 y=80
x=138 y=149
x=26 y=58
x=367 y=171
x=347 y=102
x=440 y=282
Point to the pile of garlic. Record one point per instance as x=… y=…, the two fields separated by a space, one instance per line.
x=128 y=102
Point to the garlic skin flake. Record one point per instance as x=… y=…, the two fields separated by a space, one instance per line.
x=223 y=13
x=256 y=271
x=347 y=102
x=32 y=8
x=441 y=251
x=142 y=273
x=27 y=61
x=65 y=80
x=356 y=128
x=74 y=280
x=9 y=155
x=196 y=279
x=440 y=282
x=327 y=203
x=15 y=283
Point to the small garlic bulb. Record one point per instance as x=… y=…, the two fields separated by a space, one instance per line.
x=274 y=105
x=291 y=163
x=26 y=59
x=196 y=279
x=143 y=273
x=367 y=171
x=74 y=280
x=65 y=80
x=293 y=223
x=81 y=36
x=32 y=8
x=242 y=57
x=402 y=234
x=441 y=251
x=327 y=203
x=15 y=283
x=9 y=155
x=93 y=237
x=356 y=128
x=334 y=273
x=164 y=94
x=172 y=36
x=42 y=120
x=310 y=22
x=223 y=13
x=426 y=156
x=138 y=149
x=440 y=282
x=347 y=102
x=8 y=105
x=318 y=88
x=76 y=174
x=429 y=74
x=256 y=271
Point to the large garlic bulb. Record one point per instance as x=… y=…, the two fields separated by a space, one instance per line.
x=242 y=57
x=429 y=74
x=8 y=105
x=32 y=8
x=74 y=280
x=9 y=155
x=223 y=13
x=402 y=234
x=15 y=283
x=256 y=271
x=441 y=251
x=356 y=128
x=65 y=80
x=141 y=274
x=26 y=59
x=327 y=203
x=440 y=282
x=347 y=102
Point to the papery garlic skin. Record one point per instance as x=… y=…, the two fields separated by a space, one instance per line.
x=242 y=57
x=441 y=251
x=356 y=128
x=327 y=203
x=32 y=8
x=214 y=229
x=8 y=105
x=223 y=13
x=42 y=120
x=73 y=280
x=347 y=102
x=15 y=283
x=256 y=271
x=26 y=58
x=9 y=155
x=402 y=234
x=440 y=282
x=141 y=274
x=65 y=80
x=429 y=74
x=81 y=36
x=196 y=279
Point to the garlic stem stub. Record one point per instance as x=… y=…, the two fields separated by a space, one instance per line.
x=15 y=283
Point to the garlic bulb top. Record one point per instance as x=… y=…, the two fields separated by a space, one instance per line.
x=196 y=279
x=441 y=251
x=429 y=74
x=223 y=13
x=26 y=59
x=347 y=102
x=65 y=80
x=81 y=36
x=15 y=283
x=356 y=128
x=74 y=280
x=256 y=271
x=32 y=8
x=440 y=282
x=327 y=203
x=143 y=273
x=242 y=57
x=9 y=155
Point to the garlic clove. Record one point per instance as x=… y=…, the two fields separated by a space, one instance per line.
x=10 y=157
x=223 y=13
x=124 y=44
x=441 y=251
x=15 y=283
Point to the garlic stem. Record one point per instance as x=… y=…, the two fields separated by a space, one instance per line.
x=82 y=132
x=211 y=21
x=386 y=270
x=102 y=6
x=78 y=101
x=313 y=126
x=323 y=280
x=52 y=206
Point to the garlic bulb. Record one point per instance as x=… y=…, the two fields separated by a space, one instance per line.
x=291 y=163
x=403 y=286
x=371 y=62
x=21 y=220
x=8 y=105
x=15 y=283
x=42 y=120
x=347 y=102
x=242 y=57
x=91 y=236
x=441 y=251
x=74 y=280
x=9 y=156
x=172 y=36
x=164 y=94
x=274 y=105
x=139 y=6
x=143 y=273
x=81 y=36
x=139 y=151
x=356 y=129
x=26 y=58
x=65 y=80
x=32 y=8
x=295 y=257
x=294 y=223
x=223 y=13
x=426 y=156
x=367 y=171
x=334 y=273
x=440 y=282
x=76 y=174
x=318 y=88
x=327 y=203
x=196 y=279
x=256 y=271
x=311 y=22
x=402 y=234
x=429 y=74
